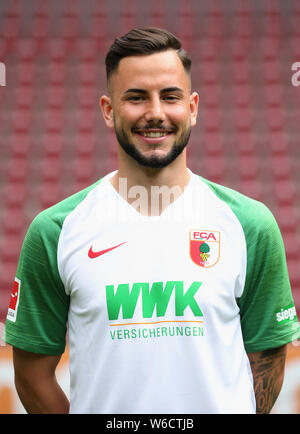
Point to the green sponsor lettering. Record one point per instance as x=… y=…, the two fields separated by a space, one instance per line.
x=183 y=300
x=158 y=296
x=123 y=297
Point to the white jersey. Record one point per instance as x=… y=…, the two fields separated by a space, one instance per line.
x=161 y=311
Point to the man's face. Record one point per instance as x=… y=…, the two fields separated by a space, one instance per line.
x=150 y=107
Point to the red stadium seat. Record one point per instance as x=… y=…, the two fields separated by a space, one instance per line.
x=87 y=98
x=52 y=147
x=242 y=94
x=55 y=97
x=57 y=49
x=240 y=46
x=241 y=73
x=14 y=9
x=243 y=119
x=40 y=25
x=57 y=73
x=98 y=26
x=14 y=195
x=245 y=143
x=85 y=145
x=211 y=97
x=243 y=26
x=48 y=193
x=50 y=169
x=209 y=48
x=215 y=169
x=68 y=28
x=288 y=219
x=42 y=10
x=24 y=97
x=285 y=192
x=21 y=120
x=213 y=145
x=243 y=8
x=275 y=119
x=269 y=49
x=11 y=27
x=20 y=146
x=212 y=120
x=185 y=25
x=85 y=120
x=5 y=47
x=87 y=49
x=84 y=171
x=272 y=21
x=273 y=95
x=17 y=170
x=208 y=72
x=248 y=168
x=294 y=272
x=7 y=275
x=251 y=188
x=53 y=120
x=278 y=143
x=10 y=245
x=27 y=49
x=157 y=14
x=281 y=167
x=25 y=74
x=292 y=246
x=12 y=221
x=270 y=68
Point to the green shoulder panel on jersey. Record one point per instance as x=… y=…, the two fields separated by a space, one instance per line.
x=41 y=317
x=267 y=287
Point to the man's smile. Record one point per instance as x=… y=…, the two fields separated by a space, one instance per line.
x=153 y=135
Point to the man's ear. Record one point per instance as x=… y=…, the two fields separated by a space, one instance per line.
x=107 y=110
x=194 y=103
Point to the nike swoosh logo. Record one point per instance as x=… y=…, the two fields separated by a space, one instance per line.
x=93 y=254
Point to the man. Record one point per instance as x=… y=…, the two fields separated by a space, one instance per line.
x=175 y=290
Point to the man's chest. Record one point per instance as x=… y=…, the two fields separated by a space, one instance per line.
x=145 y=273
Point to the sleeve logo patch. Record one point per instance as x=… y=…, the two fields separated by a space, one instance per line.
x=287 y=313
x=14 y=301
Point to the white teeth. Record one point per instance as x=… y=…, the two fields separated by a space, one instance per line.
x=154 y=134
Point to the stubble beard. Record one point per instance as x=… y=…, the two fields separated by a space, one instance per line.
x=153 y=161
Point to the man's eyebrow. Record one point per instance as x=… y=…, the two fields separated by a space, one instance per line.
x=135 y=90
x=143 y=91
x=172 y=89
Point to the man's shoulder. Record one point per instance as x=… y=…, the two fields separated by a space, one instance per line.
x=54 y=216
x=250 y=212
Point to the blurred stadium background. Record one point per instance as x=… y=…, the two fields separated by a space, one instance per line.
x=53 y=140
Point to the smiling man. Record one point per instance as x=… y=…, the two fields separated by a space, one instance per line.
x=152 y=120
x=181 y=310
x=152 y=110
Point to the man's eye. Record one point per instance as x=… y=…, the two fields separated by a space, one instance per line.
x=171 y=97
x=135 y=98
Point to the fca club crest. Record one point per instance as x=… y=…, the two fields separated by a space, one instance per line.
x=204 y=247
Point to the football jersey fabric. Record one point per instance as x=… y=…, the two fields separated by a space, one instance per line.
x=161 y=311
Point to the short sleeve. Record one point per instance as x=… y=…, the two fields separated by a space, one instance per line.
x=267 y=310
x=38 y=310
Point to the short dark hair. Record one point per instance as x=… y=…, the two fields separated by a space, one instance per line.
x=142 y=41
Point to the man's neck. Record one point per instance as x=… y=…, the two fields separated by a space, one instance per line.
x=148 y=190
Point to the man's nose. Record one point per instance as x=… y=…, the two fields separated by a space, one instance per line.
x=155 y=110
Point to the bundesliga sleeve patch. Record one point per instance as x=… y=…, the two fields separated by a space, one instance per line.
x=205 y=247
x=14 y=301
